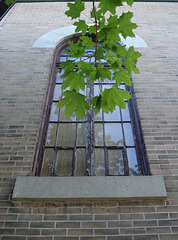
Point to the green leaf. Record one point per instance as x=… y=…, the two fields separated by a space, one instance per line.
x=109 y=5
x=130 y=2
x=77 y=50
x=87 y=42
x=87 y=70
x=68 y=66
x=96 y=104
x=125 y=25
x=98 y=14
x=103 y=73
x=131 y=60
x=73 y=80
x=112 y=97
x=99 y=53
x=74 y=102
x=75 y=9
x=9 y=2
x=92 y=29
x=122 y=76
x=81 y=26
x=113 y=60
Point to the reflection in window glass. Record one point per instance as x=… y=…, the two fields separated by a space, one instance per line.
x=64 y=163
x=80 y=162
x=132 y=159
x=47 y=162
x=128 y=134
x=99 y=134
x=81 y=139
x=126 y=114
x=51 y=134
x=66 y=135
x=99 y=162
x=54 y=112
x=57 y=92
x=72 y=118
x=114 y=116
x=115 y=159
x=113 y=134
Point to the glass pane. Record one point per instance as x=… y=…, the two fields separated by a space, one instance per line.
x=51 y=134
x=64 y=163
x=72 y=118
x=115 y=116
x=54 y=112
x=59 y=79
x=128 y=134
x=66 y=134
x=99 y=162
x=113 y=134
x=80 y=162
x=133 y=164
x=115 y=160
x=126 y=114
x=99 y=134
x=47 y=163
x=57 y=92
x=98 y=117
x=81 y=134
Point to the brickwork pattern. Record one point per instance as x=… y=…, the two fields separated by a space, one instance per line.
x=24 y=73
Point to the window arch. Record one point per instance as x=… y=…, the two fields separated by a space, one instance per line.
x=106 y=144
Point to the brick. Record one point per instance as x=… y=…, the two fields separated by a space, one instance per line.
x=55 y=217
x=27 y=231
x=132 y=231
x=80 y=217
x=53 y=232
x=146 y=237
x=67 y=224
x=106 y=217
x=109 y=231
x=80 y=232
x=94 y=224
x=169 y=237
x=115 y=224
x=42 y=224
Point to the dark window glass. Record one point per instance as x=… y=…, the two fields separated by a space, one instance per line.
x=109 y=144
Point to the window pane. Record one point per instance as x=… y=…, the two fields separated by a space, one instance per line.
x=64 y=163
x=126 y=114
x=132 y=159
x=98 y=117
x=81 y=134
x=66 y=135
x=54 y=112
x=98 y=134
x=80 y=162
x=128 y=134
x=72 y=118
x=99 y=162
x=115 y=160
x=57 y=92
x=59 y=79
x=47 y=162
x=115 y=116
x=51 y=134
x=113 y=134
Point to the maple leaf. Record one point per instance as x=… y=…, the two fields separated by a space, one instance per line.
x=77 y=50
x=81 y=26
x=113 y=60
x=122 y=76
x=75 y=9
x=131 y=60
x=88 y=70
x=74 y=102
x=112 y=97
x=73 y=80
x=125 y=25
x=87 y=41
x=109 y=5
x=103 y=73
x=96 y=103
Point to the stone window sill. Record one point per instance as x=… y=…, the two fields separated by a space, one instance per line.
x=89 y=188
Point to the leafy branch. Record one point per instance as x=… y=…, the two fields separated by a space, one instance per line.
x=121 y=61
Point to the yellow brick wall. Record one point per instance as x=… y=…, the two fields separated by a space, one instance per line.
x=24 y=73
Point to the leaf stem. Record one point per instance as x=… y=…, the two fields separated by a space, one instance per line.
x=96 y=37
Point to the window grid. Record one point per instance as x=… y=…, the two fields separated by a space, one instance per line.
x=90 y=151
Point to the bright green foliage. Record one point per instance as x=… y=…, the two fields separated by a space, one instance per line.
x=125 y=26
x=122 y=61
x=9 y=2
x=75 y=9
x=73 y=102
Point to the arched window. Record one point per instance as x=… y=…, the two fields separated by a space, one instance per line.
x=101 y=145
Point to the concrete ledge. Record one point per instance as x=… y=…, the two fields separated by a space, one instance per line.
x=89 y=188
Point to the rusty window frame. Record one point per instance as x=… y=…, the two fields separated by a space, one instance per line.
x=135 y=123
